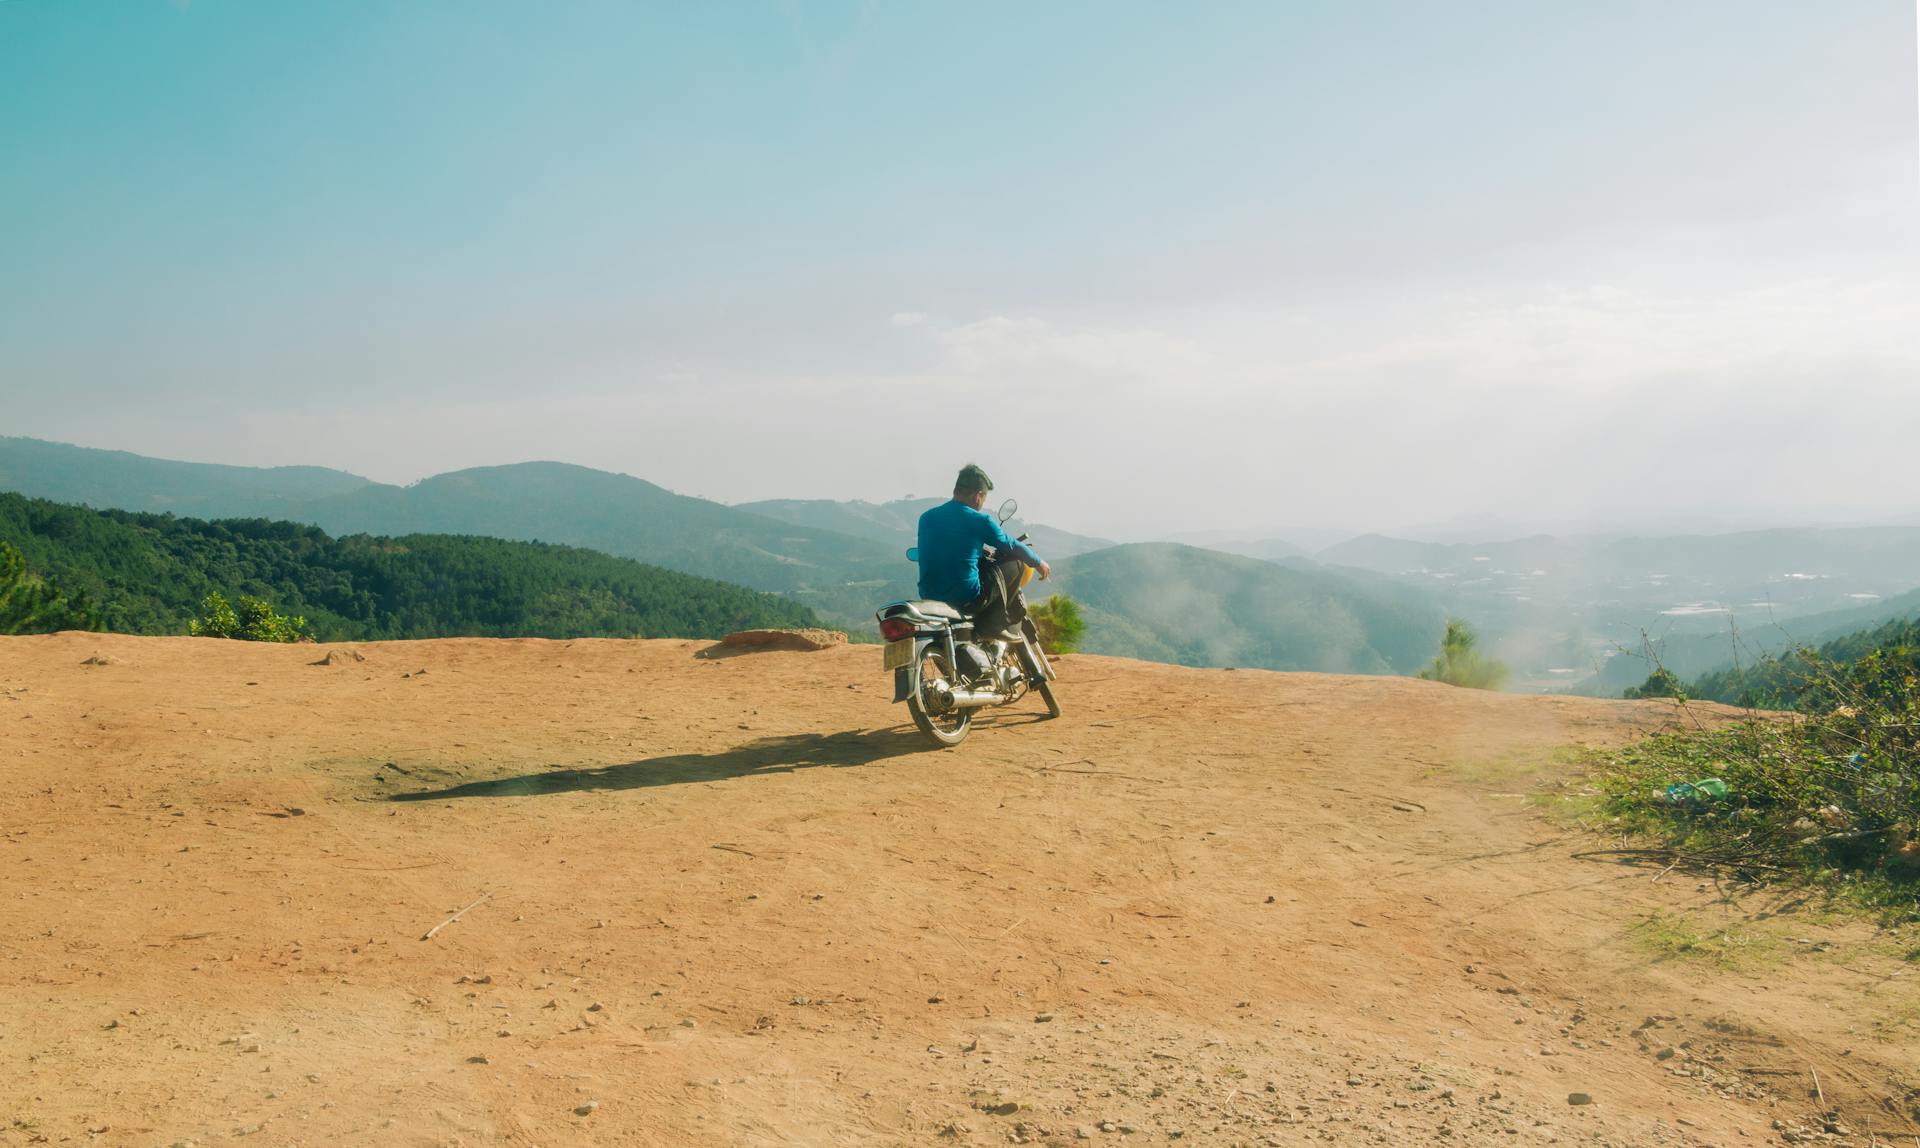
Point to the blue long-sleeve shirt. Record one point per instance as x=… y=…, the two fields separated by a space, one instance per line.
x=951 y=535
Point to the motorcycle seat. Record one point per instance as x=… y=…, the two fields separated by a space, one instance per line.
x=926 y=608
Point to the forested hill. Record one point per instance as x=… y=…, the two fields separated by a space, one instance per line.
x=149 y=572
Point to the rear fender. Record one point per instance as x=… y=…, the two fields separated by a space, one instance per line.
x=906 y=679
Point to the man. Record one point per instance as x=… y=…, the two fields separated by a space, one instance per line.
x=951 y=535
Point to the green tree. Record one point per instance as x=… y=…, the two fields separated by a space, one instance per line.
x=1059 y=622
x=1659 y=684
x=31 y=605
x=1459 y=664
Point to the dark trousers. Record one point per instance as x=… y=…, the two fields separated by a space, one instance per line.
x=1000 y=606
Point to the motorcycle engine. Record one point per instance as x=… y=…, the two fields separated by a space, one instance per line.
x=974 y=663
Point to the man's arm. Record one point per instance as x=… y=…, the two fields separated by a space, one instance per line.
x=998 y=539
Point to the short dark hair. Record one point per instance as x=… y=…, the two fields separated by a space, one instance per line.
x=971 y=478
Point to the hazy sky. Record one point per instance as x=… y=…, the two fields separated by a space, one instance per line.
x=1157 y=267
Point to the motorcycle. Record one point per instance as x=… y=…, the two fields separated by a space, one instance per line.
x=944 y=676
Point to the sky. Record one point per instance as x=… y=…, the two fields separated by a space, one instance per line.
x=1161 y=269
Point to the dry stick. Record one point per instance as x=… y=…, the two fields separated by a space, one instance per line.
x=1817 y=1091
x=428 y=935
x=1099 y=773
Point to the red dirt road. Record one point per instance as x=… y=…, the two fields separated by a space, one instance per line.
x=737 y=901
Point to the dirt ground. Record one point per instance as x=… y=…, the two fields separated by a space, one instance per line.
x=685 y=901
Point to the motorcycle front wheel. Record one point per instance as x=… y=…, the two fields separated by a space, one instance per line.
x=1046 y=694
x=947 y=729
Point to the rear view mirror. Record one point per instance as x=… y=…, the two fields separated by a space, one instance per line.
x=1008 y=509
x=913 y=554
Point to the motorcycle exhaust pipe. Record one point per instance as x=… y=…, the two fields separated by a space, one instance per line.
x=971 y=699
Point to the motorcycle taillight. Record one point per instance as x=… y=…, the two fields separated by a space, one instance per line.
x=894 y=629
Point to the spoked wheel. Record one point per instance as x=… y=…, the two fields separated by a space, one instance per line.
x=949 y=728
x=1036 y=666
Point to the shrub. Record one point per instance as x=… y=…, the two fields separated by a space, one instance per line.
x=251 y=620
x=1059 y=622
x=1831 y=793
x=1459 y=664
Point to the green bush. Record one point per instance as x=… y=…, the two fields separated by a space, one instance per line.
x=33 y=605
x=1459 y=664
x=1059 y=622
x=251 y=620
x=1830 y=793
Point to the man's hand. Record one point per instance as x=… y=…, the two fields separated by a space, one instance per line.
x=1046 y=571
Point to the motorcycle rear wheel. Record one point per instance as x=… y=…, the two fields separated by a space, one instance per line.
x=947 y=729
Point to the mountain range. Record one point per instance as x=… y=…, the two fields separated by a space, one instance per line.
x=1557 y=607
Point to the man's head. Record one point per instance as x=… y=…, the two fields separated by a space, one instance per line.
x=972 y=486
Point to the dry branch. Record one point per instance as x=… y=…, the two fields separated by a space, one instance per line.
x=428 y=935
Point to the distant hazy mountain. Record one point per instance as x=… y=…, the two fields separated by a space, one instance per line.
x=1174 y=603
x=113 y=478
x=840 y=575
x=1400 y=556
x=884 y=522
x=894 y=523
x=1689 y=655
x=1558 y=609
x=1283 y=541
x=1747 y=557
x=1267 y=549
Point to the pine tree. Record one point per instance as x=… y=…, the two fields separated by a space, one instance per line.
x=30 y=605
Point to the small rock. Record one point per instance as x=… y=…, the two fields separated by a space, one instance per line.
x=587 y=1109
x=1003 y=1108
x=688 y=1022
x=504 y=1032
x=1577 y=1098
x=1667 y=1053
x=596 y=1006
x=1043 y=1018
x=1082 y=1132
x=1128 y=1129
x=478 y=1060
